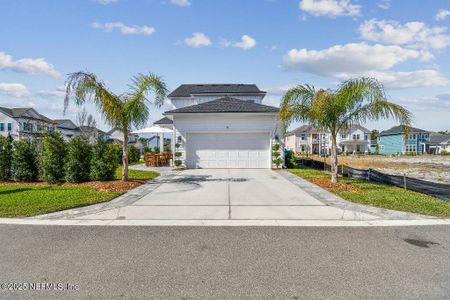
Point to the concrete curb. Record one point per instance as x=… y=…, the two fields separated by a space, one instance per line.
x=276 y=223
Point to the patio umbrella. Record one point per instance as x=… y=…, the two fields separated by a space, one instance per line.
x=151 y=131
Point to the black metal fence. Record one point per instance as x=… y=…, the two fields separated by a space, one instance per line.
x=439 y=190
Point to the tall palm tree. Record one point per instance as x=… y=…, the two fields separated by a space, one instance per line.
x=354 y=102
x=120 y=111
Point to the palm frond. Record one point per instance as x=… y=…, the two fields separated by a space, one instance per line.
x=144 y=84
x=84 y=86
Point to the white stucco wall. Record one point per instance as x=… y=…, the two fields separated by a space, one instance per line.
x=5 y=119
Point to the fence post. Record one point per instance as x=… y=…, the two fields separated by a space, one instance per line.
x=404 y=181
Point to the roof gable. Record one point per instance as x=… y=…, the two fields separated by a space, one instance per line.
x=187 y=90
x=225 y=105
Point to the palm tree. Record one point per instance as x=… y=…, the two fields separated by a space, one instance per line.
x=355 y=101
x=120 y=111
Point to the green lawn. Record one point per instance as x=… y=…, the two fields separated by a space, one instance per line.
x=28 y=200
x=137 y=174
x=385 y=196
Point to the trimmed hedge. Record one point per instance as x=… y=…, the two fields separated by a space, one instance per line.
x=52 y=157
x=104 y=161
x=24 y=164
x=78 y=160
x=134 y=154
x=5 y=158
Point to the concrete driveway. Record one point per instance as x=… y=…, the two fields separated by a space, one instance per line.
x=233 y=194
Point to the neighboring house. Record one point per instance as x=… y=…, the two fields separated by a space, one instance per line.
x=311 y=140
x=374 y=146
x=308 y=139
x=223 y=126
x=354 y=140
x=164 y=123
x=67 y=128
x=439 y=143
x=116 y=134
x=394 y=141
x=92 y=133
x=24 y=123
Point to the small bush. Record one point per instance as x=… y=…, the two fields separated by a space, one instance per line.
x=78 y=160
x=117 y=149
x=134 y=154
x=147 y=149
x=156 y=149
x=276 y=147
x=177 y=162
x=104 y=161
x=24 y=163
x=290 y=160
x=5 y=158
x=52 y=157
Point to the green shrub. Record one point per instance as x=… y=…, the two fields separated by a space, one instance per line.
x=177 y=162
x=156 y=149
x=104 y=161
x=147 y=149
x=51 y=160
x=78 y=160
x=134 y=154
x=167 y=148
x=290 y=160
x=117 y=149
x=5 y=158
x=24 y=163
x=276 y=147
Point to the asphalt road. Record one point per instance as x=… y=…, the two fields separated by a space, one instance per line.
x=227 y=262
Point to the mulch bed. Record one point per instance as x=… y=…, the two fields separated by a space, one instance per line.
x=338 y=187
x=100 y=186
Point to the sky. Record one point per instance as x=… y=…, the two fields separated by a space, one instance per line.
x=276 y=44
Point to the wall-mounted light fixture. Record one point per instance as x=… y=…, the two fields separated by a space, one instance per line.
x=179 y=139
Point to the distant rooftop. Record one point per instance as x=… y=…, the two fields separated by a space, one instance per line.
x=401 y=130
x=187 y=90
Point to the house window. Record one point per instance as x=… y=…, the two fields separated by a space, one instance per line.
x=27 y=127
x=366 y=137
x=381 y=147
x=9 y=126
x=358 y=137
x=410 y=148
x=302 y=136
x=2 y=126
x=343 y=136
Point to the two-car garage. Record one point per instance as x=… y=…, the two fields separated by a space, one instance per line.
x=228 y=150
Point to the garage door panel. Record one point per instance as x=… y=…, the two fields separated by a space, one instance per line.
x=228 y=150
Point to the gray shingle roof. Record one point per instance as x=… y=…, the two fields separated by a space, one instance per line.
x=20 y=112
x=437 y=138
x=401 y=130
x=163 y=121
x=225 y=105
x=303 y=129
x=187 y=90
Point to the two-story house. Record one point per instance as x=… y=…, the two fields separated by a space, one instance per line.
x=24 y=123
x=223 y=126
x=67 y=128
x=354 y=140
x=394 y=140
x=311 y=140
x=308 y=139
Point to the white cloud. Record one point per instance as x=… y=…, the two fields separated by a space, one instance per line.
x=105 y=2
x=198 y=39
x=14 y=89
x=181 y=2
x=414 y=34
x=355 y=58
x=246 y=42
x=278 y=90
x=442 y=14
x=330 y=8
x=27 y=65
x=384 y=4
x=413 y=79
x=124 y=29
x=59 y=92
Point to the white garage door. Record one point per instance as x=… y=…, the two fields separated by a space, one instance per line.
x=228 y=150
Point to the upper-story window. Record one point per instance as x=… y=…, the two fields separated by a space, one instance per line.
x=343 y=136
x=2 y=126
x=27 y=127
x=366 y=137
x=9 y=126
x=302 y=136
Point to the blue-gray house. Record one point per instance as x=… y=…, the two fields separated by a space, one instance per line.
x=394 y=141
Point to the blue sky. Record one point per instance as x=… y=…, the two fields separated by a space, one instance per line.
x=273 y=43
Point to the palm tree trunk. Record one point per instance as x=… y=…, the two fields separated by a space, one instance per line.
x=125 y=156
x=334 y=161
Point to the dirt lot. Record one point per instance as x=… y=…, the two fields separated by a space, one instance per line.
x=431 y=168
